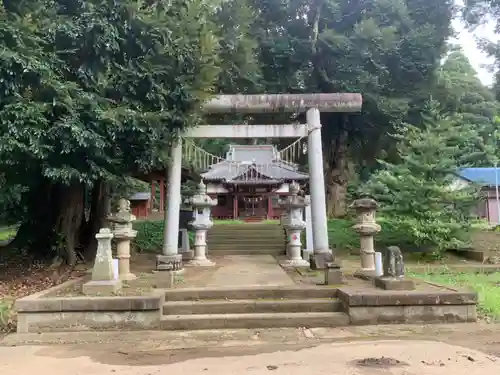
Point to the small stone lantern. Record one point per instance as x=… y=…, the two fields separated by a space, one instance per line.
x=123 y=234
x=202 y=221
x=366 y=227
x=294 y=224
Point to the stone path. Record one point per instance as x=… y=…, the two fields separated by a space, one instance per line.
x=249 y=270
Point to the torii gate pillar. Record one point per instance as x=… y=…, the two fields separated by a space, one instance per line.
x=312 y=104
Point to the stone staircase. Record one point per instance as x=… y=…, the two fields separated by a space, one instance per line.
x=246 y=239
x=252 y=307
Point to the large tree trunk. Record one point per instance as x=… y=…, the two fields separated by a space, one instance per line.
x=335 y=135
x=336 y=163
x=336 y=176
x=99 y=207
x=52 y=223
x=69 y=219
x=35 y=234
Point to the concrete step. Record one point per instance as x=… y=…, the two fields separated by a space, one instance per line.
x=246 y=245
x=268 y=292
x=274 y=224
x=236 y=251
x=254 y=239
x=244 y=306
x=249 y=246
x=236 y=234
x=271 y=320
x=242 y=229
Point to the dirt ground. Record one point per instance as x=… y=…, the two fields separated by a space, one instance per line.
x=400 y=349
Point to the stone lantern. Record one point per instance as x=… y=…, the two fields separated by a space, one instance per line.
x=366 y=227
x=202 y=205
x=294 y=224
x=123 y=234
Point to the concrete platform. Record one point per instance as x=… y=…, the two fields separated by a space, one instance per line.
x=241 y=292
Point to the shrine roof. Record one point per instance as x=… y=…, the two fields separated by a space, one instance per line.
x=252 y=153
x=140 y=196
x=260 y=163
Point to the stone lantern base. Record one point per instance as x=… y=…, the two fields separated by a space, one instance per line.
x=200 y=250
x=200 y=263
x=294 y=250
x=366 y=274
x=172 y=263
x=294 y=263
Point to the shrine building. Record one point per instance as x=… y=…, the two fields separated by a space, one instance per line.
x=249 y=181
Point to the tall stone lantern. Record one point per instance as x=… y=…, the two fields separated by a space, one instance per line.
x=366 y=227
x=202 y=205
x=123 y=234
x=294 y=224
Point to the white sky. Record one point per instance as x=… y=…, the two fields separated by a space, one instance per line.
x=477 y=58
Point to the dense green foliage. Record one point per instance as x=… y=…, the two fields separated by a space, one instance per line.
x=90 y=90
x=387 y=50
x=460 y=91
x=150 y=236
x=418 y=193
x=477 y=12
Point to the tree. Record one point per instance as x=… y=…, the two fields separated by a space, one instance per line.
x=459 y=90
x=387 y=50
x=477 y=12
x=91 y=90
x=417 y=195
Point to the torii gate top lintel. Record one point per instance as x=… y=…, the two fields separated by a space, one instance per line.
x=333 y=102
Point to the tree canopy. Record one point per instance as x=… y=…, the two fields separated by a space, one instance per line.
x=460 y=91
x=90 y=90
x=386 y=50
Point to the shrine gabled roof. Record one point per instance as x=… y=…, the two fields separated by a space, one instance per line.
x=260 y=154
x=260 y=161
x=231 y=171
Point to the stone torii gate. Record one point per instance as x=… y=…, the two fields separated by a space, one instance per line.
x=312 y=104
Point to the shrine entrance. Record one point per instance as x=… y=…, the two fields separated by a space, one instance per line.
x=253 y=207
x=292 y=103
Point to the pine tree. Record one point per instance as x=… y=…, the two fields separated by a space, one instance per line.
x=418 y=194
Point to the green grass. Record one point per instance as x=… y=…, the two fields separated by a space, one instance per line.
x=487 y=287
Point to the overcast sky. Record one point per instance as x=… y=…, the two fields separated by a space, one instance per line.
x=477 y=58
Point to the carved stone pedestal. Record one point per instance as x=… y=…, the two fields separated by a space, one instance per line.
x=294 y=253
x=333 y=274
x=171 y=263
x=200 y=249
x=103 y=281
